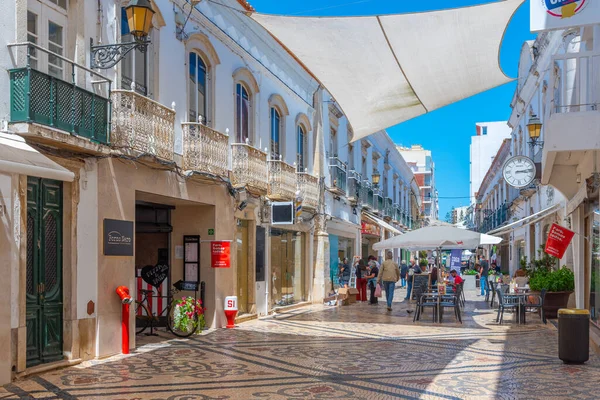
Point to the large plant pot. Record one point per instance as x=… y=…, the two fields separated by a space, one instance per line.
x=555 y=301
x=470 y=282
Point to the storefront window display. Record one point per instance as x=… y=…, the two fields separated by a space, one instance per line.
x=287 y=267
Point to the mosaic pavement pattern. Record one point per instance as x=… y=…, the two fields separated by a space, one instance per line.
x=355 y=352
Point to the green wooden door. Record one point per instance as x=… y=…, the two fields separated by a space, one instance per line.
x=44 y=316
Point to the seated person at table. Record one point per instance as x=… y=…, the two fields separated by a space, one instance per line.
x=434 y=276
x=457 y=280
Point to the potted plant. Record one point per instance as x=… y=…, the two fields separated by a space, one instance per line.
x=470 y=278
x=423 y=263
x=185 y=309
x=559 y=285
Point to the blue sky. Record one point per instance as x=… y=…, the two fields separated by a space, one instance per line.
x=447 y=131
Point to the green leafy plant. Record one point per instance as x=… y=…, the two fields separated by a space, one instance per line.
x=544 y=263
x=423 y=262
x=470 y=272
x=185 y=309
x=561 y=280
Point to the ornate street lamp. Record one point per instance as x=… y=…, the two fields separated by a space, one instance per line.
x=376 y=177
x=139 y=19
x=535 y=130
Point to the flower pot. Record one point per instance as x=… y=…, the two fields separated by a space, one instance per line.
x=554 y=301
x=470 y=282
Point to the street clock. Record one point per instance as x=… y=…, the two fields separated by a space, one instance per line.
x=519 y=171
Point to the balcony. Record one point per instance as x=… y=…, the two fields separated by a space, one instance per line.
x=308 y=186
x=142 y=126
x=378 y=201
x=528 y=191
x=572 y=130
x=205 y=150
x=354 y=187
x=397 y=214
x=282 y=181
x=249 y=168
x=339 y=176
x=36 y=97
x=366 y=195
x=388 y=208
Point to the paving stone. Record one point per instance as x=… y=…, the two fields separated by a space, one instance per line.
x=360 y=351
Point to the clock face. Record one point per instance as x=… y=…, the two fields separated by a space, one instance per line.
x=519 y=171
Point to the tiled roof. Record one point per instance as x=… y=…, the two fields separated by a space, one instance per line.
x=247 y=6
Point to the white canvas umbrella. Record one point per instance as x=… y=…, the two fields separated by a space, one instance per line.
x=437 y=237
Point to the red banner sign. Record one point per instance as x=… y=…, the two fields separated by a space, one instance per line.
x=558 y=240
x=369 y=229
x=220 y=254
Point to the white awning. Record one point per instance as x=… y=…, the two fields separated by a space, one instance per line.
x=383 y=224
x=532 y=219
x=17 y=157
x=383 y=70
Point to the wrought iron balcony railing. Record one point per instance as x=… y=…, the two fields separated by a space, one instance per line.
x=354 y=186
x=576 y=91
x=339 y=176
x=249 y=168
x=378 y=201
x=52 y=101
x=282 y=180
x=396 y=214
x=142 y=125
x=308 y=186
x=205 y=150
x=388 y=208
x=46 y=100
x=367 y=195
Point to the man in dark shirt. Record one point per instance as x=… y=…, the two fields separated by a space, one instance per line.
x=403 y=274
x=483 y=273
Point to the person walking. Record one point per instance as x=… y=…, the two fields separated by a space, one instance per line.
x=389 y=274
x=361 y=282
x=484 y=271
x=372 y=281
x=403 y=274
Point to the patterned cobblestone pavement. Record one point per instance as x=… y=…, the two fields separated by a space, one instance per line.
x=355 y=352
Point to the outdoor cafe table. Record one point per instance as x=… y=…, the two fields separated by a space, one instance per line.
x=433 y=293
x=522 y=294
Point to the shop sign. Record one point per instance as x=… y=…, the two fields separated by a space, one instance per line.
x=369 y=229
x=220 y=254
x=558 y=240
x=155 y=274
x=560 y=14
x=118 y=238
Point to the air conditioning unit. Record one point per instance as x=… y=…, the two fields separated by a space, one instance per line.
x=282 y=213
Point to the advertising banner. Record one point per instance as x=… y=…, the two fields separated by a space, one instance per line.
x=558 y=240
x=369 y=229
x=560 y=14
x=220 y=254
x=455 y=260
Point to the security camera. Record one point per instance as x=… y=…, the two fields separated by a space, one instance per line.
x=243 y=205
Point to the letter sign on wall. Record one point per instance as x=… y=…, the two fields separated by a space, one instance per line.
x=220 y=254
x=118 y=238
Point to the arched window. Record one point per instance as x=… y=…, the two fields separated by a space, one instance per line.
x=275 y=134
x=301 y=146
x=197 y=89
x=242 y=113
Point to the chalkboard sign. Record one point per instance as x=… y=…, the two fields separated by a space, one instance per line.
x=260 y=253
x=420 y=280
x=186 y=285
x=155 y=274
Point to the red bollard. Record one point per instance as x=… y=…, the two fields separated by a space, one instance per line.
x=126 y=300
x=231 y=310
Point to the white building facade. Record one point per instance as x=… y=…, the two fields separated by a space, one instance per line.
x=483 y=148
x=423 y=167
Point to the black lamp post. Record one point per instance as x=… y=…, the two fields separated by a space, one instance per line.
x=139 y=19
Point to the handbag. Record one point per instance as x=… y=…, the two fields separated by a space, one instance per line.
x=378 y=290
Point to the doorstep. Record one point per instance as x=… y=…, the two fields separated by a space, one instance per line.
x=245 y=318
x=38 y=369
x=291 y=307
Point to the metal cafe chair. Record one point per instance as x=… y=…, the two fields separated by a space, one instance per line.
x=539 y=306
x=507 y=302
x=493 y=288
x=418 y=292
x=427 y=300
x=452 y=301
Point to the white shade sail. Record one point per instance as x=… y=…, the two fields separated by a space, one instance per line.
x=437 y=237
x=17 y=157
x=383 y=70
